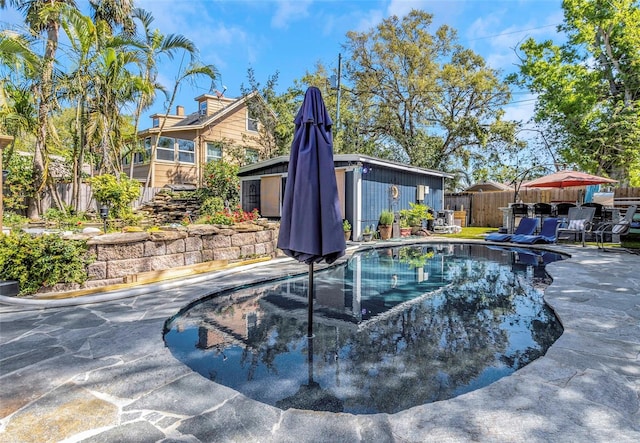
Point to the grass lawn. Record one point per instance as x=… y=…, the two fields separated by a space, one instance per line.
x=471 y=232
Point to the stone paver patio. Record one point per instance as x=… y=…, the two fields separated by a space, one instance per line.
x=100 y=372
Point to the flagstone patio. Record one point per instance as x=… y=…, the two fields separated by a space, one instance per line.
x=76 y=371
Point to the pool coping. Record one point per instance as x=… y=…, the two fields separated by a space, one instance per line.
x=585 y=388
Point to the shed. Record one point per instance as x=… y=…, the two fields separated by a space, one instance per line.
x=366 y=186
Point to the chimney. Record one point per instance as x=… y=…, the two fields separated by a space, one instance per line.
x=179 y=110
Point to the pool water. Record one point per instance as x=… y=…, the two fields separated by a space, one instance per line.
x=393 y=328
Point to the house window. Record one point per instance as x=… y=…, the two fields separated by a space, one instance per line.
x=165 y=149
x=203 y=108
x=214 y=152
x=186 y=149
x=252 y=121
x=139 y=157
x=156 y=122
x=250 y=155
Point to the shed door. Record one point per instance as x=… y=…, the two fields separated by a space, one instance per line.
x=270 y=201
x=340 y=174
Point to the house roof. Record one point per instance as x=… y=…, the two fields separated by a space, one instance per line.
x=349 y=159
x=195 y=121
x=488 y=186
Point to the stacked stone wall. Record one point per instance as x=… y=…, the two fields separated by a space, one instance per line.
x=120 y=255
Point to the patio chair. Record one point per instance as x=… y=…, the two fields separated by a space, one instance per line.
x=598 y=215
x=518 y=210
x=527 y=226
x=548 y=233
x=620 y=228
x=562 y=209
x=542 y=211
x=579 y=221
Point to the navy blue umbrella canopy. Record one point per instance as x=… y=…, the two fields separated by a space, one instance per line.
x=311 y=222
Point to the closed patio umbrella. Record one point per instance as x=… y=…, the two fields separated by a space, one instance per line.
x=311 y=222
x=566 y=179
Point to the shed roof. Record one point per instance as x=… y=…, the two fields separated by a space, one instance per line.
x=354 y=159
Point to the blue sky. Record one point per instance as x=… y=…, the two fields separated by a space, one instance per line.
x=292 y=36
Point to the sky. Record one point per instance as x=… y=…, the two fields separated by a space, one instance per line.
x=291 y=36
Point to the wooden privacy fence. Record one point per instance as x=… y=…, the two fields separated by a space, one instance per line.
x=86 y=201
x=483 y=208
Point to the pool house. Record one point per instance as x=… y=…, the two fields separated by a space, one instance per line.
x=366 y=186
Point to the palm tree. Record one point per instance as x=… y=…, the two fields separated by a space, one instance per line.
x=194 y=70
x=154 y=46
x=115 y=14
x=43 y=16
x=47 y=16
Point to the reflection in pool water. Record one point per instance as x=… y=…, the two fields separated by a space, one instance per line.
x=393 y=328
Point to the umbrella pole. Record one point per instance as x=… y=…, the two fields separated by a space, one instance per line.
x=310 y=359
x=310 y=312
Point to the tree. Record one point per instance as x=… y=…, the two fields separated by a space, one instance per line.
x=273 y=111
x=589 y=88
x=154 y=46
x=191 y=72
x=424 y=97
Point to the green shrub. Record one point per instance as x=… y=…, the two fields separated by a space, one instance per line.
x=13 y=220
x=221 y=180
x=43 y=261
x=18 y=185
x=415 y=215
x=117 y=193
x=211 y=206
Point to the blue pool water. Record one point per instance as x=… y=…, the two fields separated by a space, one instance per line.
x=393 y=328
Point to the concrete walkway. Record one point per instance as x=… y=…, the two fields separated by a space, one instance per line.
x=100 y=373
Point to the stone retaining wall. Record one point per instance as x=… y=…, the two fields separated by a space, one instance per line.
x=120 y=255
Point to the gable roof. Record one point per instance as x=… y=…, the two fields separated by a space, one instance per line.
x=195 y=120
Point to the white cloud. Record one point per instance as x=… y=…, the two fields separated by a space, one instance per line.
x=288 y=11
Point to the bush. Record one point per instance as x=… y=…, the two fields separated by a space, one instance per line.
x=415 y=215
x=43 y=261
x=229 y=217
x=13 y=220
x=18 y=185
x=211 y=206
x=221 y=180
x=117 y=193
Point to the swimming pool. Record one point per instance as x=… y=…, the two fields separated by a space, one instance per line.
x=393 y=328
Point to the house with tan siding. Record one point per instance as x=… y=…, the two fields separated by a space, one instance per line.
x=176 y=151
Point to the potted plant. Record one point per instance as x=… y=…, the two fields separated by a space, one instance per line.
x=385 y=223
x=405 y=229
x=415 y=215
x=367 y=234
x=346 y=227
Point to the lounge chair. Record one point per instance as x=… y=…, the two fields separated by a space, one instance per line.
x=527 y=226
x=548 y=233
x=619 y=228
x=579 y=221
